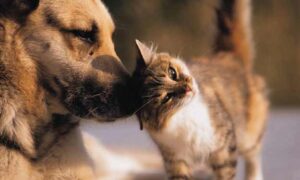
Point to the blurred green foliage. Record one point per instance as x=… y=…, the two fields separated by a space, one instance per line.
x=187 y=28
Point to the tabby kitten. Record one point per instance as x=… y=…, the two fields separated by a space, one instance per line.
x=210 y=109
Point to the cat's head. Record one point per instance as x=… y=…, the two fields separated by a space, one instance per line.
x=165 y=86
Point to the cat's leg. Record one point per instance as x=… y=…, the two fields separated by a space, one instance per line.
x=177 y=168
x=224 y=163
x=253 y=163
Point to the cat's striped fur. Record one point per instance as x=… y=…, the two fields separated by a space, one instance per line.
x=214 y=108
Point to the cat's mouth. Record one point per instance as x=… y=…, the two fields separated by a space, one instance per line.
x=189 y=91
x=189 y=94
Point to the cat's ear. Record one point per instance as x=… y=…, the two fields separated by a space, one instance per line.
x=145 y=53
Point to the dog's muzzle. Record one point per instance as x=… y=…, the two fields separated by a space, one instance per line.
x=110 y=65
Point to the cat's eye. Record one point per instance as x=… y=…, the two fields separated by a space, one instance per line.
x=167 y=98
x=172 y=73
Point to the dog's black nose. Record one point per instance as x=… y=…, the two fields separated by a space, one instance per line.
x=110 y=65
x=120 y=99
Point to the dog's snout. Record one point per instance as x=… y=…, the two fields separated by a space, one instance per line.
x=118 y=92
x=111 y=65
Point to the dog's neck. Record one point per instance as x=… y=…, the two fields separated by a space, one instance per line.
x=44 y=138
x=8 y=143
x=30 y=123
x=48 y=135
x=66 y=150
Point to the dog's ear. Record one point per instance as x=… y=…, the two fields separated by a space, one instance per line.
x=17 y=9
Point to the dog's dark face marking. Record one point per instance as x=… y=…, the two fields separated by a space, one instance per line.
x=18 y=9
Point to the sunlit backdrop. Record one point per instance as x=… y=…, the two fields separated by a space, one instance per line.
x=187 y=28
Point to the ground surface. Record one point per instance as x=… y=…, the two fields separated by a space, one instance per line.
x=281 y=153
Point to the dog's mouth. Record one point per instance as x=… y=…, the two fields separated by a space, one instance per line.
x=105 y=99
x=93 y=100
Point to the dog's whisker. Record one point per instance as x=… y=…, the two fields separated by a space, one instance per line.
x=94 y=96
x=92 y=112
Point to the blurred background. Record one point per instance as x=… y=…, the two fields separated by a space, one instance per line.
x=187 y=28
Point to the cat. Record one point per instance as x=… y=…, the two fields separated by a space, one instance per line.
x=208 y=109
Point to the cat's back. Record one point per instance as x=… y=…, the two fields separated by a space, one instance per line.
x=231 y=93
x=222 y=83
x=221 y=76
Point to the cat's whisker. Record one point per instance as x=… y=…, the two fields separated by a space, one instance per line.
x=143 y=106
x=157 y=87
x=140 y=121
x=157 y=80
x=153 y=91
x=148 y=96
x=149 y=70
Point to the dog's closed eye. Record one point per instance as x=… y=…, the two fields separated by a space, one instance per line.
x=87 y=36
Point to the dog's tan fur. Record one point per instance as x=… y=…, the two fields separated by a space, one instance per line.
x=48 y=75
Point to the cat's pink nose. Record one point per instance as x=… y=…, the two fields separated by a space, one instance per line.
x=188 y=89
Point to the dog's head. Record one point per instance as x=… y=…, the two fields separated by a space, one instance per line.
x=71 y=43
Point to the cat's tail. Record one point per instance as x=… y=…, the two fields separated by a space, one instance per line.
x=234 y=30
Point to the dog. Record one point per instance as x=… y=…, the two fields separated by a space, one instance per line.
x=57 y=66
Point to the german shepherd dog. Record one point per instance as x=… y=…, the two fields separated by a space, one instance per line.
x=57 y=65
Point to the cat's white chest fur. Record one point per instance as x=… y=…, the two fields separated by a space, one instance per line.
x=189 y=132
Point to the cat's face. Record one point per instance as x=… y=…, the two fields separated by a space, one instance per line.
x=165 y=86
